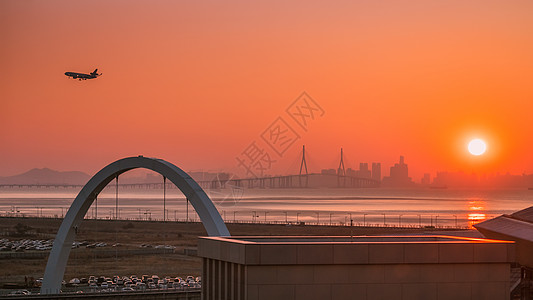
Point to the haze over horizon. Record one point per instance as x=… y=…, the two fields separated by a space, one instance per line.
x=196 y=83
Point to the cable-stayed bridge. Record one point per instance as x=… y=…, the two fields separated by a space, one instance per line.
x=303 y=179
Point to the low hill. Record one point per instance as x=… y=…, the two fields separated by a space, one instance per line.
x=46 y=176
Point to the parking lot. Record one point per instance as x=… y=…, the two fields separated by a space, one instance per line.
x=132 y=283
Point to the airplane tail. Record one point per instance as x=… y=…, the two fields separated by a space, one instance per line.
x=95 y=72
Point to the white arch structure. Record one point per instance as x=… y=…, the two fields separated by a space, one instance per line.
x=57 y=261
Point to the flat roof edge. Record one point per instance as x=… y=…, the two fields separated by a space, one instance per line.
x=361 y=239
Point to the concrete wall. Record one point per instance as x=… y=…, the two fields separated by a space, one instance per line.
x=223 y=280
x=394 y=281
x=367 y=268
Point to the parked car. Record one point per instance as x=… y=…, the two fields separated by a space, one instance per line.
x=140 y=286
x=155 y=278
x=20 y=292
x=74 y=281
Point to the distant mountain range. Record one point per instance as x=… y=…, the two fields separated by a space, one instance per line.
x=47 y=176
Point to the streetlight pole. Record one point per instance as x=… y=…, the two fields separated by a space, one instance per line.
x=351 y=224
x=286 y=221
x=436 y=219
x=364 y=219
x=164 y=199
x=330 y=214
x=297 y=214
x=187 y=211
x=317 y=218
x=455 y=220
x=384 y=221
x=266 y=216
x=419 y=221
x=400 y=220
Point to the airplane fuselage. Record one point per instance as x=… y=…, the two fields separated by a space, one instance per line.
x=83 y=76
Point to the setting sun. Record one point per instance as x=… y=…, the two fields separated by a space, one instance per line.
x=477 y=147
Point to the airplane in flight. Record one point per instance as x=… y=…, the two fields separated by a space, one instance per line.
x=83 y=76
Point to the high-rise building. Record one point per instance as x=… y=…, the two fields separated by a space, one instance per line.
x=363 y=172
x=426 y=180
x=399 y=175
x=399 y=171
x=376 y=171
x=351 y=172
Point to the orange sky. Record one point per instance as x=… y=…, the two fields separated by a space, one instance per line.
x=195 y=82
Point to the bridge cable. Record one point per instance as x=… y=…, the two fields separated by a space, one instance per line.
x=293 y=166
x=311 y=161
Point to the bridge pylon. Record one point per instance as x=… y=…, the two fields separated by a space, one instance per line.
x=341 y=172
x=303 y=165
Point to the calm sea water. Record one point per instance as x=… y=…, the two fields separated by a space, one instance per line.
x=446 y=207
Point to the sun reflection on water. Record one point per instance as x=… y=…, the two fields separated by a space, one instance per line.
x=476 y=214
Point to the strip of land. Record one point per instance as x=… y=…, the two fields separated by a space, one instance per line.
x=137 y=247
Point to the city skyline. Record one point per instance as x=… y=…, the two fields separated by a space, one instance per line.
x=398 y=176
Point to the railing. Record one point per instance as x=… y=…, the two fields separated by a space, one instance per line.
x=257 y=221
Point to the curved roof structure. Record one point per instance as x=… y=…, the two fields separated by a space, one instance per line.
x=206 y=210
x=516 y=227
